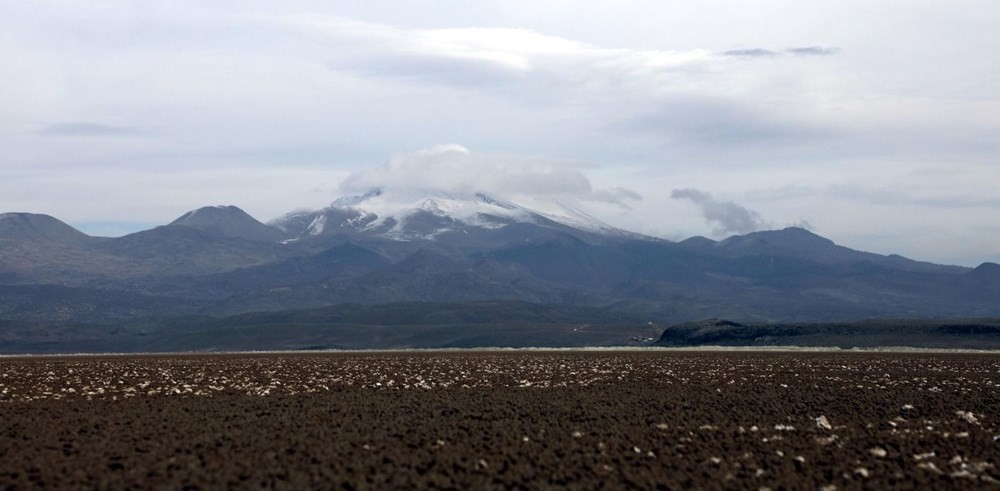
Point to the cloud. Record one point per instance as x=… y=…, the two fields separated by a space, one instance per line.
x=85 y=130
x=728 y=216
x=813 y=51
x=486 y=55
x=454 y=169
x=925 y=193
x=641 y=87
x=750 y=53
x=616 y=196
x=696 y=120
x=796 y=51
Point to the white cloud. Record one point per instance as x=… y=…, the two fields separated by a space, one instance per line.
x=727 y=216
x=486 y=56
x=85 y=129
x=454 y=169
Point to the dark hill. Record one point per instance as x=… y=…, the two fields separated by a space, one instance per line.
x=985 y=271
x=914 y=333
x=229 y=221
x=40 y=229
x=181 y=250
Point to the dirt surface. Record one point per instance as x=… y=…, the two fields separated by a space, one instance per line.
x=480 y=420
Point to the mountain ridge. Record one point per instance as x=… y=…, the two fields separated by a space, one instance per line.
x=219 y=261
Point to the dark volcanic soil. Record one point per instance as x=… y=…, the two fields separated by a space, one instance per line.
x=474 y=420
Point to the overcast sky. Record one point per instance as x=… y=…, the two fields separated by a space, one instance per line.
x=875 y=124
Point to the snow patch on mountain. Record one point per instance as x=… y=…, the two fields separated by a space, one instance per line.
x=425 y=215
x=576 y=218
x=469 y=209
x=316 y=226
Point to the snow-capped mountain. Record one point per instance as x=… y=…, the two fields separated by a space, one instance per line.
x=430 y=215
x=380 y=248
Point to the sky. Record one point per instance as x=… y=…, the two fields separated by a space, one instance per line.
x=874 y=124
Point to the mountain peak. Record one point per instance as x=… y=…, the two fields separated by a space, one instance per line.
x=986 y=270
x=791 y=237
x=35 y=227
x=348 y=201
x=697 y=242
x=425 y=214
x=228 y=221
x=208 y=213
x=793 y=233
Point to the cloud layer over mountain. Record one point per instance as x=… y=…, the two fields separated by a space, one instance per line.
x=456 y=169
x=881 y=134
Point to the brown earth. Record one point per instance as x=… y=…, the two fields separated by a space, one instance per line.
x=480 y=420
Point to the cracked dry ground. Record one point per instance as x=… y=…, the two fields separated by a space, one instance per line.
x=480 y=420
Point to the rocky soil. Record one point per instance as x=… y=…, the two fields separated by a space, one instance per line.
x=482 y=420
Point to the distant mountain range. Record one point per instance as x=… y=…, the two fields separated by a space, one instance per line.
x=375 y=249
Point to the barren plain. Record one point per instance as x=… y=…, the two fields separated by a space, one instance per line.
x=502 y=419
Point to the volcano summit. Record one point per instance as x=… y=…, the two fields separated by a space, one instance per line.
x=483 y=257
